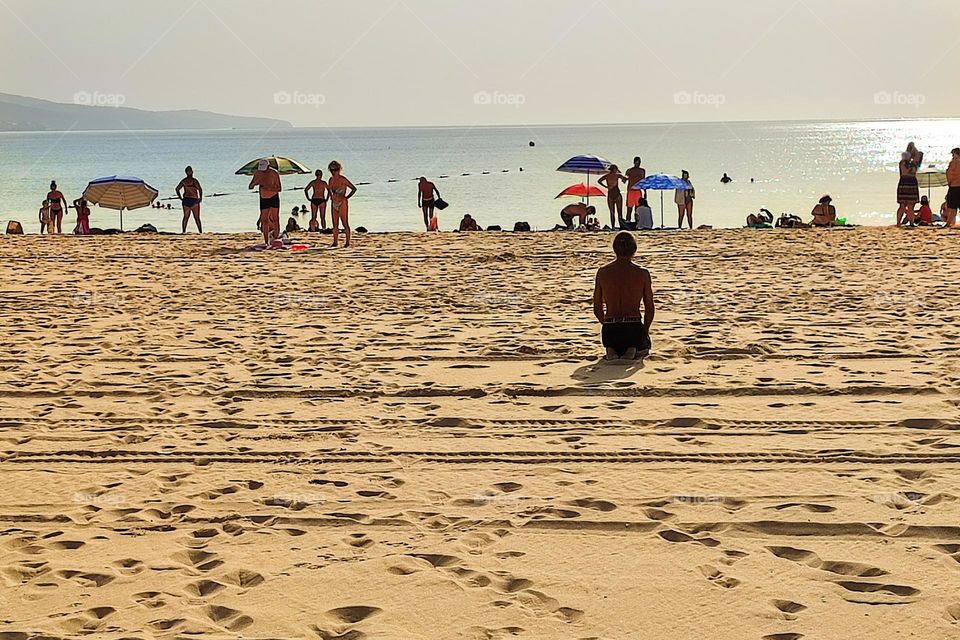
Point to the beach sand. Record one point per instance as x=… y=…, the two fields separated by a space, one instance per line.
x=414 y=439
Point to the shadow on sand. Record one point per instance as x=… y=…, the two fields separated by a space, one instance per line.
x=608 y=370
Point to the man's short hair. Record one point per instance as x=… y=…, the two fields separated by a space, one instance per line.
x=591 y=210
x=956 y=151
x=624 y=245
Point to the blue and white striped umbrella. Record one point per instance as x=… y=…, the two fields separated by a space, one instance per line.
x=585 y=164
x=119 y=193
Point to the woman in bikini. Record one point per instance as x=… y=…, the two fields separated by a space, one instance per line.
x=824 y=214
x=191 y=195
x=684 y=201
x=908 y=190
x=614 y=198
x=341 y=190
x=316 y=193
x=57 y=203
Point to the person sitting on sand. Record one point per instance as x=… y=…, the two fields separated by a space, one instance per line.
x=341 y=190
x=469 y=224
x=83 y=217
x=316 y=193
x=760 y=220
x=924 y=215
x=621 y=289
x=824 y=214
x=268 y=180
x=576 y=210
x=293 y=225
x=644 y=216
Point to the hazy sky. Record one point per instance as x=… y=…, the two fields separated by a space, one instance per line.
x=443 y=62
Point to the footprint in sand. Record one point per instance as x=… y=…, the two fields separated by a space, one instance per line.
x=788 y=609
x=717 y=577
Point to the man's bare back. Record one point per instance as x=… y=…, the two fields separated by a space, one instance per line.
x=635 y=175
x=624 y=288
x=622 y=293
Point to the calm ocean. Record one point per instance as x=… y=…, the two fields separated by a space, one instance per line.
x=792 y=164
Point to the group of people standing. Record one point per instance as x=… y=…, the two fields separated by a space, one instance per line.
x=337 y=191
x=54 y=207
x=639 y=214
x=908 y=191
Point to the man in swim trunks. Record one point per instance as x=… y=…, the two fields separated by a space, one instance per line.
x=621 y=289
x=58 y=204
x=427 y=196
x=576 y=210
x=190 y=194
x=635 y=174
x=316 y=193
x=953 y=195
x=268 y=180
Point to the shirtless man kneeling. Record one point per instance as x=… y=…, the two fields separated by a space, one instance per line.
x=622 y=287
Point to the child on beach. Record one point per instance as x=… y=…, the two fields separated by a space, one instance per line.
x=44 y=216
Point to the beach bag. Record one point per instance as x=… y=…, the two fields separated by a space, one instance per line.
x=494 y=227
x=14 y=228
x=441 y=204
x=522 y=226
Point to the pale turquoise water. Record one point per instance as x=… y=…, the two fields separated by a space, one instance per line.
x=793 y=164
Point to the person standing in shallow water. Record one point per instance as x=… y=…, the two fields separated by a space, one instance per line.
x=621 y=289
x=341 y=190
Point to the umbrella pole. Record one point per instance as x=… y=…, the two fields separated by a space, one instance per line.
x=661 y=209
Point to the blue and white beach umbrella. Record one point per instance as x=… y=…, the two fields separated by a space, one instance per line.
x=119 y=193
x=661 y=182
x=585 y=164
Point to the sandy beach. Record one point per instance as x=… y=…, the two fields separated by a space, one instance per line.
x=414 y=438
